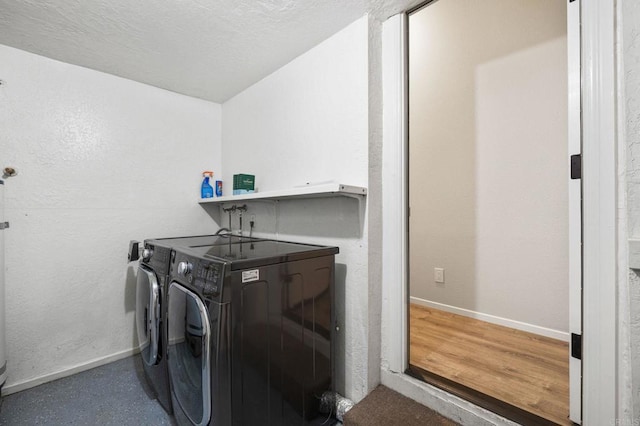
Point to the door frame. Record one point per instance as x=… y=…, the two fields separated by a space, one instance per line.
x=598 y=90
x=599 y=186
x=574 y=129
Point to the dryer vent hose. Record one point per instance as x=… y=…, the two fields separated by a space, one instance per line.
x=334 y=403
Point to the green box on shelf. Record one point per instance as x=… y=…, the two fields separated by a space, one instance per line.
x=243 y=184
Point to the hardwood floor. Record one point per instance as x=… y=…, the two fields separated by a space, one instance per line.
x=523 y=369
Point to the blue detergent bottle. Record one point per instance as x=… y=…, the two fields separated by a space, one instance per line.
x=206 y=190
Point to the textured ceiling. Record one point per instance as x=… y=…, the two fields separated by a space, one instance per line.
x=211 y=49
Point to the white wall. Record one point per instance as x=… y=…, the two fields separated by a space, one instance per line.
x=488 y=160
x=629 y=297
x=305 y=122
x=101 y=160
x=522 y=258
x=308 y=122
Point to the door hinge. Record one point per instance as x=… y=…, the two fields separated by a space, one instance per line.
x=576 y=345
x=576 y=166
x=4 y=225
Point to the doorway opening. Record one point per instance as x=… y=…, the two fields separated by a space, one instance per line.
x=488 y=195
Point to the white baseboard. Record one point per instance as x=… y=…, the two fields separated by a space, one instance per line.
x=523 y=326
x=30 y=383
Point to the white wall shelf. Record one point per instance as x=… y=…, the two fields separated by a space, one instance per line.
x=311 y=191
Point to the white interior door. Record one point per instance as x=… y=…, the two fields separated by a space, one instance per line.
x=575 y=212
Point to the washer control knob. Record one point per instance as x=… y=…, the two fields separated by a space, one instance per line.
x=146 y=254
x=184 y=268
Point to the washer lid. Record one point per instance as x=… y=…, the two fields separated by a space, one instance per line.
x=262 y=253
x=198 y=240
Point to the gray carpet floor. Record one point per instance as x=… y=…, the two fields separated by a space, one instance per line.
x=113 y=394
x=118 y=394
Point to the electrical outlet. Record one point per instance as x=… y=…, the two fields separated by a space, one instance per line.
x=438 y=275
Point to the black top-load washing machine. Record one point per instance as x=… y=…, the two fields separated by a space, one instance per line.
x=151 y=307
x=249 y=332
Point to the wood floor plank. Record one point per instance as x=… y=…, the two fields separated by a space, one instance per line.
x=523 y=369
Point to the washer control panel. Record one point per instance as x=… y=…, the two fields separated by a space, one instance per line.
x=204 y=275
x=209 y=277
x=157 y=257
